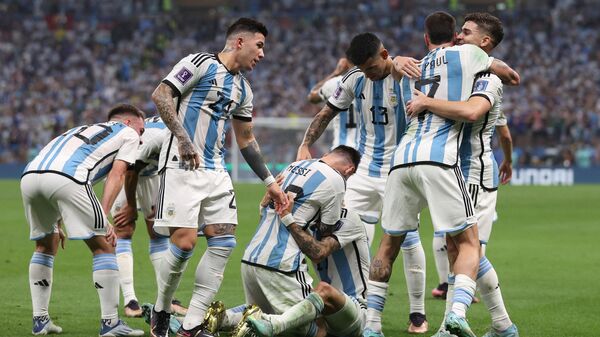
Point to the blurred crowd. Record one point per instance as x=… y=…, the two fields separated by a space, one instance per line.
x=64 y=63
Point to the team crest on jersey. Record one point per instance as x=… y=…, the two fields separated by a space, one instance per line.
x=393 y=99
x=171 y=210
x=481 y=85
x=183 y=75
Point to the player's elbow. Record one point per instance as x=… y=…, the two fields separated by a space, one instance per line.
x=313 y=97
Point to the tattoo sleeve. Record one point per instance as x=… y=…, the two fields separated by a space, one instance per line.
x=254 y=158
x=315 y=250
x=163 y=98
x=318 y=125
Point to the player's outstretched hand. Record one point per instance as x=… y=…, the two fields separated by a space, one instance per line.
x=303 y=153
x=277 y=195
x=505 y=172
x=188 y=155
x=283 y=211
x=417 y=104
x=111 y=236
x=125 y=216
x=407 y=66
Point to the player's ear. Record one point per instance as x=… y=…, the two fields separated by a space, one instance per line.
x=426 y=38
x=239 y=42
x=384 y=54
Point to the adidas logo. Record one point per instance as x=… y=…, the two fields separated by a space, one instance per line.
x=97 y=286
x=362 y=96
x=175 y=158
x=213 y=82
x=42 y=283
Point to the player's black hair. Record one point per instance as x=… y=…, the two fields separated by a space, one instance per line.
x=247 y=25
x=349 y=152
x=490 y=25
x=125 y=109
x=362 y=47
x=440 y=27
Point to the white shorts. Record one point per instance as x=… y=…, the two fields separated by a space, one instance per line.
x=188 y=199
x=146 y=191
x=275 y=292
x=349 y=321
x=485 y=208
x=409 y=189
x=364 y=195
x=49 y=197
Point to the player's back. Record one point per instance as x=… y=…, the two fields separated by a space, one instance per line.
x=155 y=132
x=345 y=122
x=477 y=160
x=380 y=118
x=448 y=73
x=319 y=191
x=86 y=153
x=208 y=94
x=347 y=269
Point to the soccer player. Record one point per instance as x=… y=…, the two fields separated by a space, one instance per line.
x=195 y=100
x=425 y=173
x=340 y=297
x=344 y=123
x=376 y=97
x=57 y=184
x=482 y=113
x=274 y=273
x=141 y=189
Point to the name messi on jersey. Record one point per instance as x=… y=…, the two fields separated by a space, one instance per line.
x=301 y=171
x=434 y=63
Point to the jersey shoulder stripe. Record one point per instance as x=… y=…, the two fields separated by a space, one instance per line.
x=350 y=73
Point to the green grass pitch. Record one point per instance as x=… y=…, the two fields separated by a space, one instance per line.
x=544 y=247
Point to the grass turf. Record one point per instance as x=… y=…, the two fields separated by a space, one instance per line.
x=543 y=247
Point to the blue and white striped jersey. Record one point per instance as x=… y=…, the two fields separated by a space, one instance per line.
x=208 y=95
x=149 y=151
x=344 y=124
x=86 y=153
x=476 y=157
x=347 y=269
x=381 y=118
x=319 y=193
x=448 y=73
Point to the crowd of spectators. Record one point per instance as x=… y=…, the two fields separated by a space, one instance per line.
x=64 y=63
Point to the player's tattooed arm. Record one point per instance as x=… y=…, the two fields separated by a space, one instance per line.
x=315 y=130
x=507 y=74
x=316 y=250
x=249 y=148
x=163 y=98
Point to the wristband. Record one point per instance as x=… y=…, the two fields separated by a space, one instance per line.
x=269 y=180
x=288 y=220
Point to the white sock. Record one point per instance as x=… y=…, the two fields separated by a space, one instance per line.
x=106 y=280
x=301 y=313
x=157 y=249
x=440 y=254
x=233 y=316
x=209 y=275
x=171 y=267
x=414 y=271
x=449 y=296
x=376 y=295
x=464 y=290
x=125 y=262
x=40 y=282
x=489 y=287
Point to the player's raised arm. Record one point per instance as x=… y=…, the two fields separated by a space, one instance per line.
x=405 y=66
x=251 y=153
x=508 y=75
x=163 y=98
x=315 y=96
x=316 y=250
x=315 y=130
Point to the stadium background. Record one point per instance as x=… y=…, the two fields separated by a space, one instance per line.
x=64 y=63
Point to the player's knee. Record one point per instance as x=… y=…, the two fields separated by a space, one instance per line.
x=219 y=229
x=125 y=232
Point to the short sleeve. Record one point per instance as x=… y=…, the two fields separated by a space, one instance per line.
x=188 y=72
x=501 y=121
x=130 y=142
x=329 y=87
x=350 y=228
x=343 y=95
x=488 y=86
x=244 y=110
